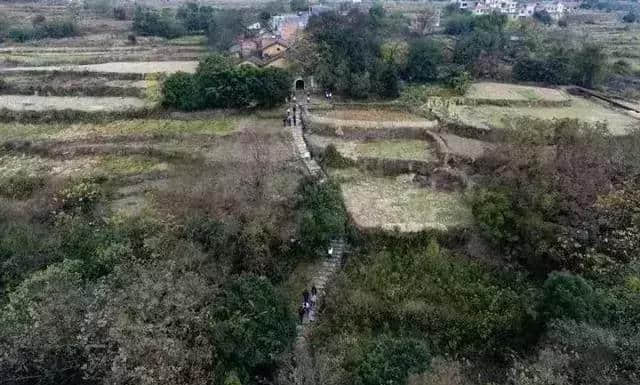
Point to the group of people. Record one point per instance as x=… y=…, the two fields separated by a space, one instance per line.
x=308 y=307
x=291 y=119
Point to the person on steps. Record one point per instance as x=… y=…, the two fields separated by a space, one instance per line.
x=314 y=296
x=305 y=296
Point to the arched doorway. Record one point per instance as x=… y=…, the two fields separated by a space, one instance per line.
x=299 y=84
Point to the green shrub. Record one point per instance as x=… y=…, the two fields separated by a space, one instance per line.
x=460 y=306
x=389 y=360
x=247 y=248
x=460 y=82
x=494 y=216
x=251 y=326
x=459 y=24
x=195 y=17
x=219 y=84
x=332 y=158
x=424 y=58
x=24 y=248
x=40 y=324
x=81 y=196
x=321 y=215
x=55 y=29
x=568 y=296
x=119 y=13
x=151 y=22
x=20 y=185
x=180 y=91
x=630 y=17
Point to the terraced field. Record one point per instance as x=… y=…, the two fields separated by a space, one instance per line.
x=116 y=67
x=392 y=181
x=503 y=91
x=153 y=164
x=404 y=149
x=400 y=203
x=58 y=103
x=369 y=115
x=488 y=117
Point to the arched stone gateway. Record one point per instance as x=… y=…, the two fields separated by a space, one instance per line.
x=299 y=84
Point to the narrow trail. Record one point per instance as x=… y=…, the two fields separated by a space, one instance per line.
x=303 y=372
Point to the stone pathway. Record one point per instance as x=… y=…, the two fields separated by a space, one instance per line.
x=301 y=147
x=303 y=373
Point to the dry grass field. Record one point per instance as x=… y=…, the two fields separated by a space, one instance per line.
x=406 y=149
x=376 y=115
x=399 y=203
x=116 y=67
x=76 y=103
x=487 y=117
x=162 y=165
x=503 y=91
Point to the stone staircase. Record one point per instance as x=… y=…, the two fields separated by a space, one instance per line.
x=303 y=371
x=303 y=359
x=300 y=145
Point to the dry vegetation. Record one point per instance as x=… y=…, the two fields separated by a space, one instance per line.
x=503 y=91
x=85 y=103
x=487 y=117
x=406 y=149
x=117 y=67
x=369 y=115
x=390 y=203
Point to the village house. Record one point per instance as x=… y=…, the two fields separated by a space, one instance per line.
x=513 y=9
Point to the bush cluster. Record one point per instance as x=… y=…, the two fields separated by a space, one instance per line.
x=321 y=215
x=54 y=29
x=585 y=66
x=219 y=84
x=152 y=22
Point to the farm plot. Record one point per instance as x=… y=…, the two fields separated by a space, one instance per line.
x=405 y=149
x=161 y=165
x=369 y=115
x=390 y=203
x=502 y=91
x=488 y=117
x=140 y=68
x=138 y=128
x=59 y=103
x=71 y=85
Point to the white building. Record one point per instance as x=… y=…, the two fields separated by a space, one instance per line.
x=512 y=8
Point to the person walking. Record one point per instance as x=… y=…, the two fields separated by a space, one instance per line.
x=301 y=314
x=314 y=296
x=305 y=296
x=294 y=120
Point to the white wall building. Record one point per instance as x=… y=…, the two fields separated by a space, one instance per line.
x=512 y=8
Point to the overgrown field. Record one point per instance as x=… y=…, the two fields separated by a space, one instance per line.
x=116 y=67
x=487 y=117
x=400 y=203
x=503 y=91
x=405 y=149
